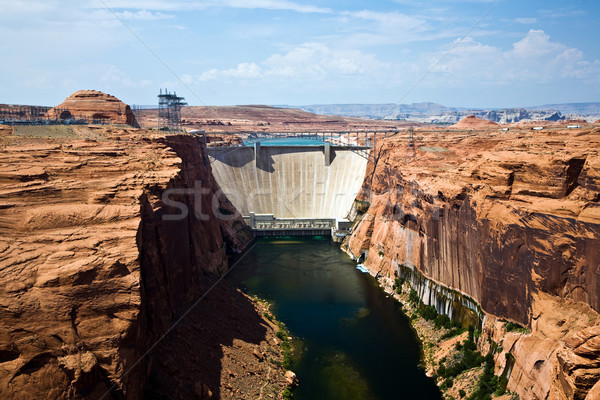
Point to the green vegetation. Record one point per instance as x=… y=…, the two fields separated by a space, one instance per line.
x=268 y=316
x=286 y=346
x=488 y=382
x=398 y=283
x=440 y=320
x=468 y=357
x=512 y=327
x=413 y=297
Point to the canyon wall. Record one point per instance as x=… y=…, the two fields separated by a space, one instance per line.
x=91 y=274
x=509 y=219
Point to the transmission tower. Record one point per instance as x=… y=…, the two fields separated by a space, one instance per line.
x=169 y=110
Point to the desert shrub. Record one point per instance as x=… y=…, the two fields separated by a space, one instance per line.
x=428 y=312
x=512 y=327
x=413 y=297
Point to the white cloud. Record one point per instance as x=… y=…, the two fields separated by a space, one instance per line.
x=534 y=58
x=309 y=61
x=242 y=71
x=535 y=44
x=366 y=27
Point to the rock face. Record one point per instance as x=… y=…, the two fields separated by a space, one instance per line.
x=502 y=217
x=472 y=122
x=91 y=273
x=94 y=106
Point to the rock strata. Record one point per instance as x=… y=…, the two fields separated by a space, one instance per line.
x=91 y=274
x=94 y=106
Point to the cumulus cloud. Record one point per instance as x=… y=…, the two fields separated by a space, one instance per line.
x=309 y=61
x=534 y=58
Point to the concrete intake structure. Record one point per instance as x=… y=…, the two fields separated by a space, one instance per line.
x=299 y=186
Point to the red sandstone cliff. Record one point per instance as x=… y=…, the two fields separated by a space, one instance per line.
x=511 y=219
x=94 y=105
x=91 y=274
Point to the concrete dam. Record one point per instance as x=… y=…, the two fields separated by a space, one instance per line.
x=297 y=189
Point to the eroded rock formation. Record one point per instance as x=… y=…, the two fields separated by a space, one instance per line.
x=472 y=122
x=91 y=274
x=511 y=219
x=94 y=106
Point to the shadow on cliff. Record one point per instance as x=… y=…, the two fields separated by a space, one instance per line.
x=188 y=361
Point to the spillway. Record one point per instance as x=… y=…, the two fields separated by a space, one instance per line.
x=288 y=187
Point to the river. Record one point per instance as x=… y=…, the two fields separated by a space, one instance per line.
x=356 y=342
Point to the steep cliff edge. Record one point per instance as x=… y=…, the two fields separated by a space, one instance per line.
x=91 y=274
x=509 y=219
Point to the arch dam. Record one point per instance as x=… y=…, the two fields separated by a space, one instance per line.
x=293 y=183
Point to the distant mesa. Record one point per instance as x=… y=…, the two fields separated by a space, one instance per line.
x=95 y=106
x=597 y=122
x=472 y=122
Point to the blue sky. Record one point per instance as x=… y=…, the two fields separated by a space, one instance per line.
x=301 y=52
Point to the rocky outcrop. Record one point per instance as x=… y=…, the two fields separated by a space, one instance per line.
x=500 y=217
x=94 y=106
x=96 y=263
x=472 y=122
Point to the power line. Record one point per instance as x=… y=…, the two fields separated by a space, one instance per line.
x=456 y=43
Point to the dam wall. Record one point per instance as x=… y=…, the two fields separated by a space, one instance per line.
x=291 y=182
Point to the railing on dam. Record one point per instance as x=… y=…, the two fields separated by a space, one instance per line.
x=358 y=141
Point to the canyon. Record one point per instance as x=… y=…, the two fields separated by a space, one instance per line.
x=93 y=276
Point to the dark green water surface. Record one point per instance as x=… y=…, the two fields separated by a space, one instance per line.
x=356 y=342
